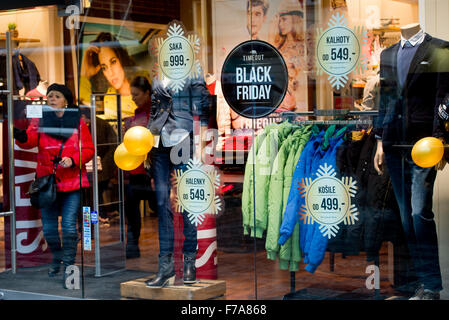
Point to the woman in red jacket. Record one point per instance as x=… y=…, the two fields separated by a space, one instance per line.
x=59 y=136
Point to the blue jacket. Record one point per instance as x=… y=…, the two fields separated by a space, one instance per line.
x=316 y=242
x=294 y=202
x=319 y=150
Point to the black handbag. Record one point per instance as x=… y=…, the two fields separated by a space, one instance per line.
x=42 y=190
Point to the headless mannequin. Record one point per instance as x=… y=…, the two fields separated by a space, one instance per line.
x=408 y=31
x=413 y=186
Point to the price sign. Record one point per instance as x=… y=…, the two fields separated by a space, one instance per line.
x=195 y=190
x=176 y=58
x=328 y=200
x=338 y=51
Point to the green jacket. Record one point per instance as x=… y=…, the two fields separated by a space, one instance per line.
x=281 y=177
x=290 y=251
x=275 y=194
x=266 y=148
x=247 y=194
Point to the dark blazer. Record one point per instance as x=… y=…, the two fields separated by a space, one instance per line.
x=176 y=111
x=410 y=113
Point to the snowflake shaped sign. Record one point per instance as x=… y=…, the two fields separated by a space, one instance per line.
x=328 y=201
x=195 y=188
x=339 y=50
x=177 y=56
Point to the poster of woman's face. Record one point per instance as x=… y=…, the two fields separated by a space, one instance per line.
x=111 y=56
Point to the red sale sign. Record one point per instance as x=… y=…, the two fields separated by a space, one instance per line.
x=31 y=246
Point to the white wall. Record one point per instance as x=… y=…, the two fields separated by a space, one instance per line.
x=405 y=10
x=42 y=24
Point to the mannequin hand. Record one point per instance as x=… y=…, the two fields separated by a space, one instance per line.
x=147 y=164
x=379 y=158
x=66 y=162
x=87 y=67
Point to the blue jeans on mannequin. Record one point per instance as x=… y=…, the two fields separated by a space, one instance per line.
x=162 y=167
x=67 y=205
x=413 y=187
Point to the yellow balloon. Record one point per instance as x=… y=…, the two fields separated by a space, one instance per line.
x=125 y=160
x=427 y=152
x=138 y=140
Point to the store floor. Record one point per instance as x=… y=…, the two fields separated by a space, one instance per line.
x=246 y=276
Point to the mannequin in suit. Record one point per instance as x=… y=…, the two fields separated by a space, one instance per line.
x=413 y=81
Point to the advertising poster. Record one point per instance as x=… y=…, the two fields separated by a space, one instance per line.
x=281 y=24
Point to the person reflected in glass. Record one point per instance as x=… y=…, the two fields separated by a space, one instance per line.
x=107 y=59
x=64 y=140
x=139 y=180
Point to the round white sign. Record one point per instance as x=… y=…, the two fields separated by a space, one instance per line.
x=338 y=51
x=328 y=200
x=176 y=58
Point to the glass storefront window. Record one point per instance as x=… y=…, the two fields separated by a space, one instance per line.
x=225 y=149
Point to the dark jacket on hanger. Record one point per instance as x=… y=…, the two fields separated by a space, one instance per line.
x=379 y=219
x=349 y=240
x=376 y=203
x=408 y=113
x=26 y=74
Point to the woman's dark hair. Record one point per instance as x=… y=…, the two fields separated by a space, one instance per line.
x=105 y=39
x=142 y=83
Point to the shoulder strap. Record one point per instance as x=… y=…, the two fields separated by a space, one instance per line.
x=59 y=155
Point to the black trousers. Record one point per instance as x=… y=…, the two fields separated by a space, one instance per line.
x=138 y=188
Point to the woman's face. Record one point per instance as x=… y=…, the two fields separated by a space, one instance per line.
x=285 y=24
x=56 y=99
x=140 y=97
x=112 y=67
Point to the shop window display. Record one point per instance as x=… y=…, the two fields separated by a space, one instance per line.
x=309 y=198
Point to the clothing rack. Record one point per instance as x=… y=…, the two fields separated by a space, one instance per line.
x=336 y=122
x=330 y=113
